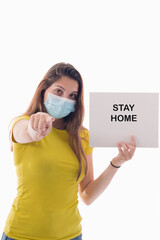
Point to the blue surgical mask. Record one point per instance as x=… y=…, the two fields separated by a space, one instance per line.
x=59 y=107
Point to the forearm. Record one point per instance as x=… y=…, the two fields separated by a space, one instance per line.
x=97 y=186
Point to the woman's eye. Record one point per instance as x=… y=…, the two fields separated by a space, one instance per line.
x=74 y=96
x=58 y=91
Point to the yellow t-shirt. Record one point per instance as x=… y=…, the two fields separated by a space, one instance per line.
x=46 y=205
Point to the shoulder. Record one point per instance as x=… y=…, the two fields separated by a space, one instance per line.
x=84 y=133
x=85 y=140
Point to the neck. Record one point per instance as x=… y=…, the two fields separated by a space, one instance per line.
x=59 y=124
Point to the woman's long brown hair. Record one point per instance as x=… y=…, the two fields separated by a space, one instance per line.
x=73 y=122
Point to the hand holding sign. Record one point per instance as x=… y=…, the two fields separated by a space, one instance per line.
x=126 y=152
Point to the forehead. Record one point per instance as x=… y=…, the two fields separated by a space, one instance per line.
x=67 y=83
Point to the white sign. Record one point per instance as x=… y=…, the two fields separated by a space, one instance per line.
x=114 y=117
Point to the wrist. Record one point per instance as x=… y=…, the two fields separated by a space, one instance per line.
x=117 y=162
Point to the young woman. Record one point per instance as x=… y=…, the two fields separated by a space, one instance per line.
x=54 y=161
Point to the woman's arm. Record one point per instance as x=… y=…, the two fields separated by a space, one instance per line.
x=34 y=129
x=20 y=132
x=91 y=190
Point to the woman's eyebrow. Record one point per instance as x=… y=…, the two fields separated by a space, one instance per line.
x=59 y=86
x=75 y=91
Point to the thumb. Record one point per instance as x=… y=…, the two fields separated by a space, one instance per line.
x=52 y=119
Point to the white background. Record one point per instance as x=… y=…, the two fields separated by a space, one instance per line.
x=115 y=45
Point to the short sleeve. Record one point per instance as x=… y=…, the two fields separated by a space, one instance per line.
x=14 y=122
x=87 y=148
